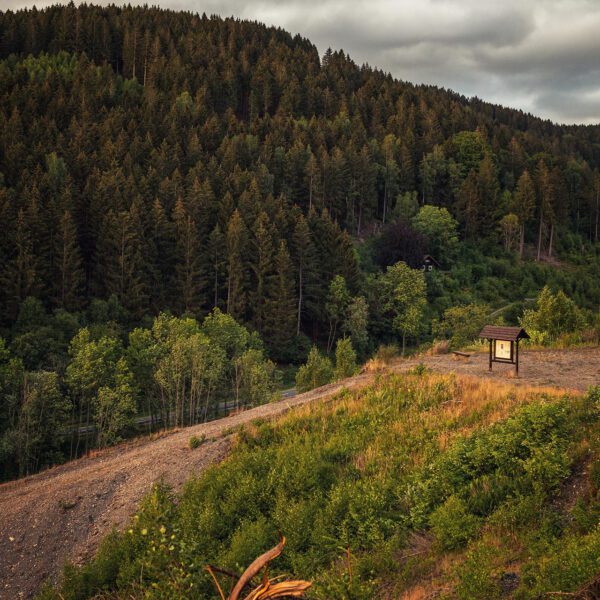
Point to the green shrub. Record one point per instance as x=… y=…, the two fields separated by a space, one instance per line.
x=476 y=575
x=317 y=371
x=567 y=567
x=420 y=369
x=462 y=324
x=452 y=524
x=386 y=353
x=345 y=359
x=196 y=442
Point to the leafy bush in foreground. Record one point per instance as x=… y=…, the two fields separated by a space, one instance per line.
x=351 y=484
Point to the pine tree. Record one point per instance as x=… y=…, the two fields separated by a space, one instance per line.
x=188 y=280
x=523 y=206
x=236 y=276
x=280 y=318
x=68 y=276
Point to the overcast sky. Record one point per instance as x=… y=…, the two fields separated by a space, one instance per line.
x=539 y=55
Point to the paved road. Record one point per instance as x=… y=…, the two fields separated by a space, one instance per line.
x=224 y=407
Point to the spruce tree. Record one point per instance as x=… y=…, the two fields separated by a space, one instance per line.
x=68 y=276
x=20 y=277
x=523 y=206
x=262 y=269
x=120 y=265
x=305 y=260
x=188 y=280
x=236 y=240
x=216 y=265
x=280 y=318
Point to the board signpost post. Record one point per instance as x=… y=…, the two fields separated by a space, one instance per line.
x=504 y=344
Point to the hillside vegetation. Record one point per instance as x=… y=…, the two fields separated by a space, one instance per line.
x=418 y=483
x=157 y=163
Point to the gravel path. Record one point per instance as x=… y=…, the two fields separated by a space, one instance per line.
x=63 y=513
x=576 y=369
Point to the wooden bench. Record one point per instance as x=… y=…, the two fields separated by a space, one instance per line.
x=463 y=354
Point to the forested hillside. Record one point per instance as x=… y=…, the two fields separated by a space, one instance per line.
x=156 y=162
x=173 y=160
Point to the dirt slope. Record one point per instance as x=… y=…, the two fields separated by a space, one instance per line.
x=63 y=513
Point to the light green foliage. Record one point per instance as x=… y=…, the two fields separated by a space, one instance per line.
x=404 y=298
x=407 y=205
x=357 y=321
x=196 y=442
x=461 y=324
x=188 y=375
x=115 y=410
x=509 y=229
x=337 y=304
x=570 y=564
x=92 y=363
x=554 y=315
x=345 y=359
x=43 y=413
x=453 y=525
x=469 y=148
x=440 y=228
x=317 y=371
x=477 y=580
x=255 y=381
x=93 y=366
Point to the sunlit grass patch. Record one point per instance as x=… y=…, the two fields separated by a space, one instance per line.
x=414 y=483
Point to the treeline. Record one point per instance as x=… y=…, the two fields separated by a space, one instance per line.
x=182 y=163
x=97 y=387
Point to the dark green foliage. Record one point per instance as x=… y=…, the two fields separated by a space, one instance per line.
x=133 y=191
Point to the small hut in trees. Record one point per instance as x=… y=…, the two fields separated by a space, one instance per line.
x=504 y=344
x=429 y=263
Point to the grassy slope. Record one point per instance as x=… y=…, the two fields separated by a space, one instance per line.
x=472 y=488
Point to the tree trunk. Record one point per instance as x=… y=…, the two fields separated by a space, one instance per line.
x=522 y=241
x=539 y=246
x=403 y=342
x=597 y=210
x=299 y=301
x=551 y=239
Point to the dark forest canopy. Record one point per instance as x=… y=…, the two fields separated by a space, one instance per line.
x=183 y=162
x=176 y=188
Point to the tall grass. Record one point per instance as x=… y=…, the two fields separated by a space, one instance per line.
x=417 y=482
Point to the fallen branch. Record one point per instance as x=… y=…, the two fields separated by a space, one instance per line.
x=269 y=589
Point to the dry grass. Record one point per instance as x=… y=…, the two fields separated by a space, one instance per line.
x=439 y=347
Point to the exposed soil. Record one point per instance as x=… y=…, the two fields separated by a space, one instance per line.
x=576 y=369
x=63 y=513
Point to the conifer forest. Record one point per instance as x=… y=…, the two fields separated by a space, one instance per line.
x=189 y=203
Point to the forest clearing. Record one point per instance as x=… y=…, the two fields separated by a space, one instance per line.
x=63 y=513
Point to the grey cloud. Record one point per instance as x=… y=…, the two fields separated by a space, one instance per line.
x=539 y=55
